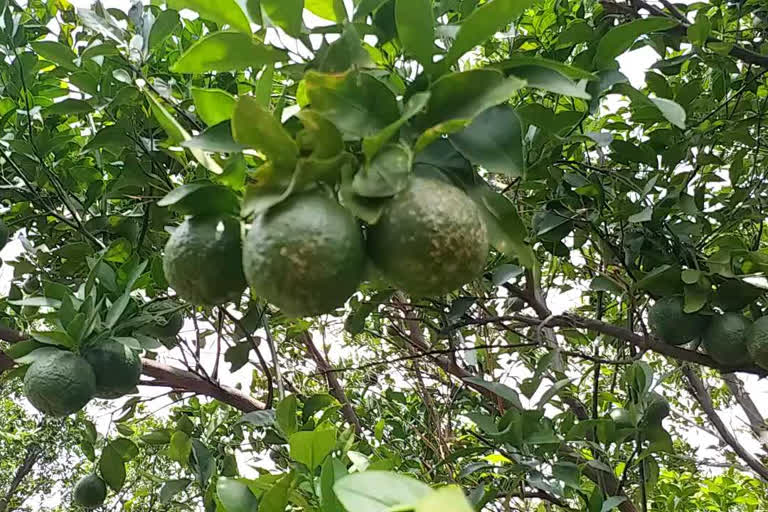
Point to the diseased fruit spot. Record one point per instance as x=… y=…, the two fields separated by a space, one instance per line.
x=306 y=255
x=430 y=240
x=59 y=384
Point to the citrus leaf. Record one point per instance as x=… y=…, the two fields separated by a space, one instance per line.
x=61 y=339
x=235 y=496
x=497 y=388
x=226 y=51
x=332 y=471
x=311 y=448
x=112 y=468
x=519 y=61
x=374 y=143
x=285 y=415
x=446 y=499
x=549 y=80
x=674 y=113
x=357 y=103
x=286 y=14
x=619 y=39
x=223 y=12
x=485 y=21
x=333 y=10
x=276 y=498
x=212 y=105
x=216 y=139
x=164 y=25
x=494 y=141
x=386 y=175
x=171 y=488
x=465 y=95
x=416 y=29
x=178 y=134
x=201 y=199
x=56 y=52
x=257 y=128
x=378 y=491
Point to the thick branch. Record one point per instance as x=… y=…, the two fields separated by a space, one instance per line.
x=621 y=333
x=33 y=454
x=183 y=380
x=163 y=375
x=755 y=418
x=333 y=383
x=701 y=395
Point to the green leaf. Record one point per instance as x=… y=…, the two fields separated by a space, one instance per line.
x=367 y=209
x=379 y=491
x=36 y=302
x=112 y=468
x=518 y=61
x=259 y=418
x=497 y=388
x=201 y=199
x=544 y=78
x=645 y=215
x=446 y=499
x=158 y=437
x=332 y=471
x=674 y=113
x=612 y=503
x=180 y=447
x=465 y=95
x=506 y=230
x=374 y=143
x=276 y=498
x=690 y=276
x=602 y=283
x=698 y=33
x=56 y=52
x=264 y=87
x=58 y=338
x=333 y=10
x=285 y=415
x=226 y=51
x=117 y=309
x=695 y=297
x=416 y=29
x=357 y=103
x=311 y=448
x=164 y=25
x=258 y=129
x=223 y=12
x=126 y=448
x=171 y=488
x=69 y=106
x=216 y=139
x=286 y=14
x=235 y=496
x=619 y=39
x=213 y=105
x=34 y=355
x=386 y=175
x=483 y=23
x=178 y=134
x=493 y=141
x=550 y=393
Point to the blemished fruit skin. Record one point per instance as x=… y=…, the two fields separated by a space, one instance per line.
x=203 y=262
x=59 y=384
x=306 y=255
x=90 y=492
x=757 y=342
x=430 y=239
x=726 y=340
x=672 y=325
x=117 y=369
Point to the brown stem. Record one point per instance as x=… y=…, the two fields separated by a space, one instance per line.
x=333 y=383
x=755 y=418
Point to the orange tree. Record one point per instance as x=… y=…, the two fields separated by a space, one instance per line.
x=467 y=262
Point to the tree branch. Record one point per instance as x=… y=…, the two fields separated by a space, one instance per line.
x=699 y=392
x=333 y=383
x=756 y=421
x=165 y=376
